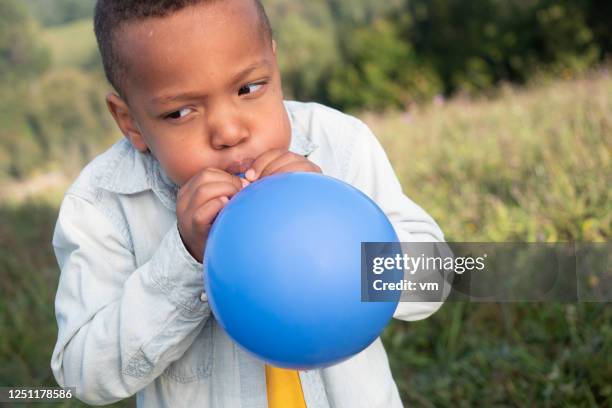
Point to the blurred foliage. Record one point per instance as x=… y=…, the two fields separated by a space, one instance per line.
x=51 y=116
x=59 y=120
x=66 y=53
x=384 y=71
x=57 y=12
x=353 y=55
x=476 y=44
x=69 y=115
x=379 y=55
x=307 y=52
x=22 y=57
x=598 y=14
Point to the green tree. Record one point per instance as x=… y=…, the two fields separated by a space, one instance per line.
x=566 y=40
x=598 y=16
x=381 y=70
x=307 y=46
x=476 y=44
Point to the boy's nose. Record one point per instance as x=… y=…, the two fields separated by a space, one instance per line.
x=227 y=132
x=228 y=136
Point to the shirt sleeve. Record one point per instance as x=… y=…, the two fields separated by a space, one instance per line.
x=369 y=170
x=119 y=326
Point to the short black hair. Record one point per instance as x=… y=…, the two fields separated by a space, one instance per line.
x=109 y=15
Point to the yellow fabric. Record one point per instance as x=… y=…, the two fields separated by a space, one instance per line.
x=284 y=388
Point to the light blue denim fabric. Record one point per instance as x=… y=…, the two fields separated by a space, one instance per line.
x=130 y=307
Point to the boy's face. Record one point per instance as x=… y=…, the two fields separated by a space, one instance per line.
x=203 y=87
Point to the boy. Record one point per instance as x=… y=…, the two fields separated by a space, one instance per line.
x=199 y=100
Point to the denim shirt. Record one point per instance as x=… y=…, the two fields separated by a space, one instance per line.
x=130 y=307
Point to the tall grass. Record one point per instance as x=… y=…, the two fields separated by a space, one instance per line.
x=29 y=279
x=527 y=165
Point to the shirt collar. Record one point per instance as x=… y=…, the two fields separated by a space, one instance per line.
x=301 y=138
x=130 y=171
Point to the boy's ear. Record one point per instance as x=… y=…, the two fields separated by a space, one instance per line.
x=122 y=115
x=273 y=47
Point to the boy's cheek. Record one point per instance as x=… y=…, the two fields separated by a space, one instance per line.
x=178 y=172
x=275 y=122
x=284 y=138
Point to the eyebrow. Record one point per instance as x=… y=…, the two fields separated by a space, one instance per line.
x=193 y=95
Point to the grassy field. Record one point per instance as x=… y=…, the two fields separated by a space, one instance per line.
x=529 y=165
x=525 y=165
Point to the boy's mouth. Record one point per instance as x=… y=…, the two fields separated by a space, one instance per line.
x=240 y=166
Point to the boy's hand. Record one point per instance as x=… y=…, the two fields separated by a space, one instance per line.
x=279 y=161
x=198 y=202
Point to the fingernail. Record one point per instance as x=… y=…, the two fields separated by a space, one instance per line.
x=244 y=182
x=224 y=199
x=250 y=174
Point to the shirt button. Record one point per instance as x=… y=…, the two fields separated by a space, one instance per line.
x=203 y=297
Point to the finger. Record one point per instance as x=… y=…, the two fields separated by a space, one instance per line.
x=261 y=162
x=185 y=192
x=206 y=214
x=212 y=174
x=284 y=160
x=207 y=192
x=207 y=176
x=233 y=178
x=236 y=179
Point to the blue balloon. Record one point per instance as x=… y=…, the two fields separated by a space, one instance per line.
x=282 y=270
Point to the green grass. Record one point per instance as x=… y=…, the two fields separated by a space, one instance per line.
x=27 y=294
x=528 y=165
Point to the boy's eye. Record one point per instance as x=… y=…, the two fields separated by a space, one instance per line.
x=179 y=113
x=250 y=88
